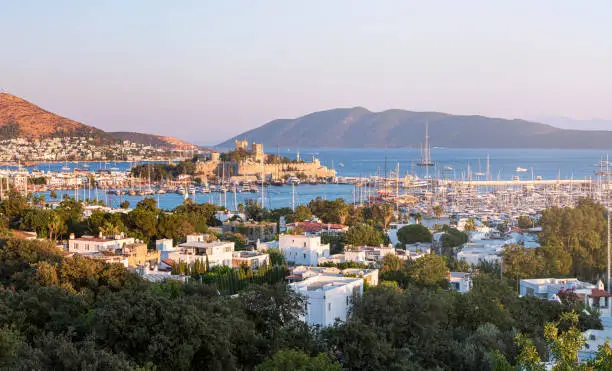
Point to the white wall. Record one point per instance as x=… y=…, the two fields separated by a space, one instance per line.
x=303 y=250
x=331 y=301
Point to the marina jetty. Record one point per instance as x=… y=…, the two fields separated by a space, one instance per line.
x=249 y=161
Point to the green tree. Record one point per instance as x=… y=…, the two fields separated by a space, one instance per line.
x=364 y=235
x=603 y=358
x=414 y=233
x=451 y=239
x=438 y=211
x=290 y=359
x=125 y=204
x=524 y=222
x=429 y=270
x=302 y=213
x=276 y=257
x=470 y=225
x=564 y=346
x=528 y=358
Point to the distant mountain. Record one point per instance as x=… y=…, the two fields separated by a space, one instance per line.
x=360 y=128
x=22 y=119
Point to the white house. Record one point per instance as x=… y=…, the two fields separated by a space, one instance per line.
x=548 y=288
x=223 y=216
x=165 y=246
x=90 y=244
x=484 y=250
x=594 y=339
x=302 y=250
x=328 y=298
x=460 y=281
x=251 y=259
x=217 y=253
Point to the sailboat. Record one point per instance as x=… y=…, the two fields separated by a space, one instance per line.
x=425 y=159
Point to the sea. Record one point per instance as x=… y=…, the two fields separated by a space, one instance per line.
x=354 y=162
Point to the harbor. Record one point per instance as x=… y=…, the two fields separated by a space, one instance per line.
x=410 y=193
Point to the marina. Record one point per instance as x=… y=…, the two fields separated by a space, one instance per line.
x=409 y=191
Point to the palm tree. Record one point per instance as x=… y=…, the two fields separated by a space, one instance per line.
x=109 y=229
x=470 y=225
x=437 y=211
x=418 y=217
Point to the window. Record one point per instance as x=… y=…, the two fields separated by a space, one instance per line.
x=329 y=307
x=347 y=300
x=304 y=244
x=304 y=255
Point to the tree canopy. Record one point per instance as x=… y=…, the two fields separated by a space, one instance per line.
x=414 y=233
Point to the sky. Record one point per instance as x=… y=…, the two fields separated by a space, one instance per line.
x=208 y=70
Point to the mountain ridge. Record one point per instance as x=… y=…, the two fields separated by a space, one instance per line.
x=358 y=127
x=20 y=118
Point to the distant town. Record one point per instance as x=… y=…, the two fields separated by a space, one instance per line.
x=78 y=149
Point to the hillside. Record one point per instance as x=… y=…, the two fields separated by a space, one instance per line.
x=360 y=128
x=153 y=140
x=22 y=119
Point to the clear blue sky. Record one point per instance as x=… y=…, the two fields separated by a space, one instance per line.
x=207 y=70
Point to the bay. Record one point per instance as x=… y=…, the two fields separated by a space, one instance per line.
x=351 y=162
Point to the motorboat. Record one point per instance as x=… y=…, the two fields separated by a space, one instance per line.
x=293 y=180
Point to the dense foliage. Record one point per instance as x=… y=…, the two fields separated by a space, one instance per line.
x=414 y=233
x=573 y=244
x=164 y=172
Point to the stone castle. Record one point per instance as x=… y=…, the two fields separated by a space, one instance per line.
x=255 y=165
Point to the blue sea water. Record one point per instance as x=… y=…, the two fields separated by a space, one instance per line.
x=547 y=163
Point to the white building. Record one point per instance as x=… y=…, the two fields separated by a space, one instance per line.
x=90 y=244
x=594 y=339
x=251 y=259
x=217 y=253
x=165 y=246
x=347 y=256
x=460 y=281
x=226 y=215
x=302 y=250
x=328 y=298
x=548 y=288
x=485 y=250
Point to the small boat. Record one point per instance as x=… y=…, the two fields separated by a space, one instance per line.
x=448 y=168
x=521 y=170
x=292 y=180
x=277 y=182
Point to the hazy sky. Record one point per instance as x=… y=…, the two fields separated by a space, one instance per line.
x=208 y=70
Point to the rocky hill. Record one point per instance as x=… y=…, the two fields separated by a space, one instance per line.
x=359 y=128
x=22 y=119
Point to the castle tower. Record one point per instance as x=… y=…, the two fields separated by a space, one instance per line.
x=241 y=145
x=258 y=152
